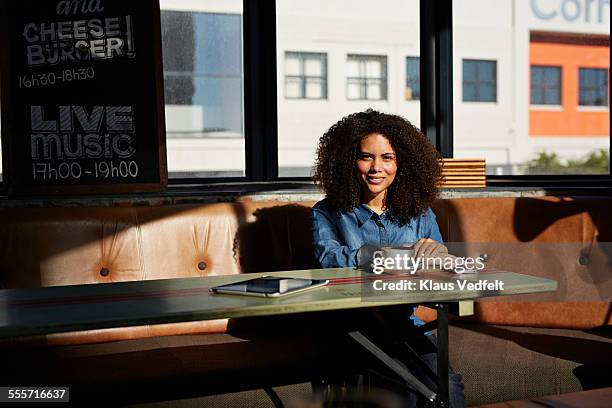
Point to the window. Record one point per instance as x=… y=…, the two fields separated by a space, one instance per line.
x=361 y=66
x=413 y=79
x=203 y=91
x=367 y=77
x=545 y=85
x=593 y=87
x=305 y=75
x=536 y=127
x=479 y=81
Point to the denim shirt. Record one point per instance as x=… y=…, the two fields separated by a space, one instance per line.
x=348 y=239
x=340 y=238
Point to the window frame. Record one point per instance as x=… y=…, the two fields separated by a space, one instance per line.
x=436 y=66
x=259 y=61
x=410 y=80
x=478 y=82
x=593 y=88
x=362 y=60
x=303 y=56
x=560 y=84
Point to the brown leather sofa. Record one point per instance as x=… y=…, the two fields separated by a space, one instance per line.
x=532 y=346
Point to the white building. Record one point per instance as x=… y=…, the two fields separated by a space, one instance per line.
x=335 y=57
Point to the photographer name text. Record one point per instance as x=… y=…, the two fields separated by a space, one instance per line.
x=432 y=285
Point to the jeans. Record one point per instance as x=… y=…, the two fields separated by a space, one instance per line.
x=429 y=357
x=414 y=342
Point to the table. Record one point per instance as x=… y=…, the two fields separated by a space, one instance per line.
x=80 y=307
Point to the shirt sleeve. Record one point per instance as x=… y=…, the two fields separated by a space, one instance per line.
x=432 y=227
x=328 y=246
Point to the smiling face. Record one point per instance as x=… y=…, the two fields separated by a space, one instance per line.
x=376 y=166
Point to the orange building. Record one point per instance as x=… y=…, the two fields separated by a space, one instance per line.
x=576 y=112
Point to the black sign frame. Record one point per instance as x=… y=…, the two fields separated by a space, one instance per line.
x=128 y=152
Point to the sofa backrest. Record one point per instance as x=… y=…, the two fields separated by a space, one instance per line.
x=563 y=238
x=66 y=246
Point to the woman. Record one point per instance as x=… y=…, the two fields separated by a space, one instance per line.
x=380 y=175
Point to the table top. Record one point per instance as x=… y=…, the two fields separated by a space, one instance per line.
x=81 y=307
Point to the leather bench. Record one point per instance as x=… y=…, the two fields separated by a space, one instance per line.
x=91 y=245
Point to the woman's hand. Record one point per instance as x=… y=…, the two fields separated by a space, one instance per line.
x=429 y=248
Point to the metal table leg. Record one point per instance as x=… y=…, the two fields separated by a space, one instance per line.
x=397 y=368
x=442 y=397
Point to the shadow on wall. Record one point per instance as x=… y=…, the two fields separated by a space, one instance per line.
x=279 y=239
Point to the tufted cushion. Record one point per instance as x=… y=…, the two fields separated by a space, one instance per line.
x=65 y=246
x=544 y=237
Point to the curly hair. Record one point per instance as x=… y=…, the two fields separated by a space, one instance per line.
x=418 y=171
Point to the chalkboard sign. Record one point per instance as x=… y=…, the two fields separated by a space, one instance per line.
x=82 y=96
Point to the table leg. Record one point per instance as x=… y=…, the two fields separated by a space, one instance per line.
x=442 y=397
x=397 y=368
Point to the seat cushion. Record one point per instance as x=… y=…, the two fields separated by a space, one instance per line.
x=598 y=398
x=162 y=368
x=504 y=363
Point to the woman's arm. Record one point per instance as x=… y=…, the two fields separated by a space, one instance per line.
x=330 y=249
x=430 y=243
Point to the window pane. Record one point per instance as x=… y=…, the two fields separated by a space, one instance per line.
x=552 y=77
x=202 y=58
x=314 y=89
x=413 y=79
x=292 y=65
x=537 y=97
x=537 y=75
x=306 y=69
x=374 y=91
x=217 y=38
x=374 y=69
x=486 y=92
x=553 y=97
x=178 y=88
x=469 y=70
x=593 y=87
x=313 y=67
x=293 y=88
x=219 y=99
x=353 y=70
x=506 y=52
x=486 y=71
x=355 y=90
x=177 y=28
x=469 y=92
x=363 y=41
x=545 y=85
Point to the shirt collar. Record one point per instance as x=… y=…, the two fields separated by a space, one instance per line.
x=363 y=214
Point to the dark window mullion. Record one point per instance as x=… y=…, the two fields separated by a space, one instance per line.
x=303 y=75
x=477 y=80
x=260 y=104
x=436 y=60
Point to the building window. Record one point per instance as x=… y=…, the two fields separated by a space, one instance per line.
x=593 y=87
x=305 y=75
x=413 y=79
x=367 y=77
x=545 y=85
x=479 y=81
